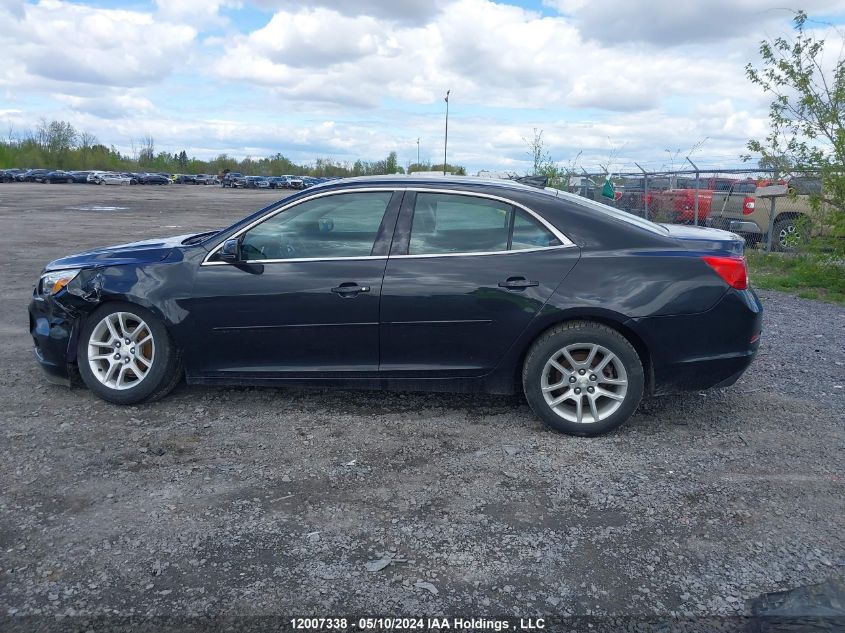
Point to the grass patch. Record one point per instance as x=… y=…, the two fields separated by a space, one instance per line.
x=808 y=276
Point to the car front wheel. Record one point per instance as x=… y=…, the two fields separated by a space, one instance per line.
x=583 y=378
x=125 y=355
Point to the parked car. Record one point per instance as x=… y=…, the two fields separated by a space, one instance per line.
x=117 y=179
x=233 y=179
x=57 y=176
x=79 y=176
x=412 y=284
x=9 y=175
x=295 y=182
x=206 y=179
x=34 y=175
x=796 y=218
x=185 y=179
x=154 y=179
x=94 y=177
x=256 y=182
x=278 y=182
x=677 y=203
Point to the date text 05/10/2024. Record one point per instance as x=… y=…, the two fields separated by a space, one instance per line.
x=417 y=624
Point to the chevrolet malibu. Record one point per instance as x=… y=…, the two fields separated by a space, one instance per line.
x=438 y=284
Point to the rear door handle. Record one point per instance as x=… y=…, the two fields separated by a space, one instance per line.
x=349 y=289
x=517 y=283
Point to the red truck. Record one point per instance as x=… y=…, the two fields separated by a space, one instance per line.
x=677 y=204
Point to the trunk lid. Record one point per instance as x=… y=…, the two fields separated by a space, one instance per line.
x=701 y=238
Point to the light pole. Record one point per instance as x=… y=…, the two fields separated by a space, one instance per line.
x=418 y=152
x=446 y=137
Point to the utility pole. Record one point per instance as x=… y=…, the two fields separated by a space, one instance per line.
x=446 y=137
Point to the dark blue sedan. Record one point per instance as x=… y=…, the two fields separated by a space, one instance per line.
x=440 y=284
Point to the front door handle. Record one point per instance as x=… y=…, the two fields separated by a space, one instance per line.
x=350 y=289
x=517 y=283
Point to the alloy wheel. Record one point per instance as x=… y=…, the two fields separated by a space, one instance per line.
x=789 y=237
x=121 y=350
x=584 y=383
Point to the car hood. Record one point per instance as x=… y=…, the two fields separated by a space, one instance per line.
x=146 y=251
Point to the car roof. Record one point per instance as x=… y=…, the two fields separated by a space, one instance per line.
x=406 y=180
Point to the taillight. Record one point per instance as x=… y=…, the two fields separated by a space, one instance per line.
x=731 y=269
x=748 y=205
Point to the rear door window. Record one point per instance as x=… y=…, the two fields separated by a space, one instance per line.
x=448 y=224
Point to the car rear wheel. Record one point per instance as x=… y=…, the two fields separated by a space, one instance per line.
x=126 y=356
x=787 y=235
x=583 y=378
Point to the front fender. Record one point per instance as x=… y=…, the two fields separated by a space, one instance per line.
x=159 y=287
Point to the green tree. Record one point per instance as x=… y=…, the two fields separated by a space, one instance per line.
x=391 y=164
x=806 y=118
x=541 y=159
x=455 y=170
x=57 y=144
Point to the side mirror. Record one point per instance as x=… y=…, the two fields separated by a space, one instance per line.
x=231 y=251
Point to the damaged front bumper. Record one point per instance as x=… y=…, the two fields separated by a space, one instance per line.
x=54 y=334
x=54 y=323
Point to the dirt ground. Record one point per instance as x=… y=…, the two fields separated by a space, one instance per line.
x=223 y=502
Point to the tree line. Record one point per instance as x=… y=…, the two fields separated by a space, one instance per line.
x=59 y=145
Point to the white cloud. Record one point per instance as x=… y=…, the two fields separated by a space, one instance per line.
x=110 y=105
x=395 y=10
x=70 y=43
x=670 y=22
x=489 y=54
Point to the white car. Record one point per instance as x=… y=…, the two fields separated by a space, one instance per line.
x=117 y=179
x=94 y=177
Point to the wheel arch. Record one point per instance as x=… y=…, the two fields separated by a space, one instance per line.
x=608 y=318
x=788 y=215
x=106 y=298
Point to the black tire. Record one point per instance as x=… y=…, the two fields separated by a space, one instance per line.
x=586 y=333
x=164 y=374
x=786 y=235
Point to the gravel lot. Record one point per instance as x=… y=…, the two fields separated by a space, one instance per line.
x=273 y=501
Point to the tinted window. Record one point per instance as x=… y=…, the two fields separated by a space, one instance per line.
x=529 y=233
x=342 y=225
x=445 y=223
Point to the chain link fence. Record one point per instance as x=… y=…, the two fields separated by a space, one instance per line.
x=771 y=211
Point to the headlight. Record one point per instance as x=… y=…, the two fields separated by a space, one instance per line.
x=54 y=281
